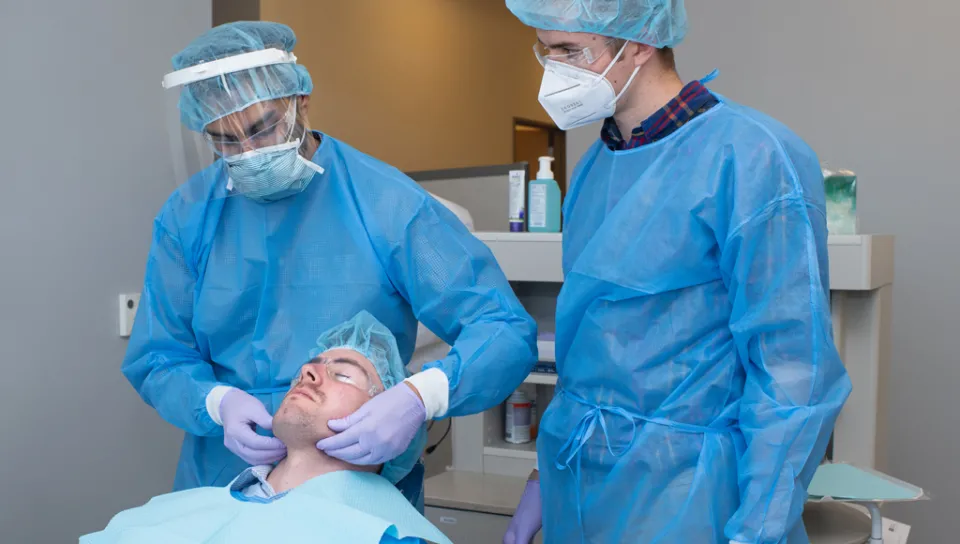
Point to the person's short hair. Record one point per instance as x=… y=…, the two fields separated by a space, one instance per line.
x=665 y=54
x=667 y=58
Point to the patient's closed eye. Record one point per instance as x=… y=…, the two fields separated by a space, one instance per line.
x=343 y=377
x=344 y=373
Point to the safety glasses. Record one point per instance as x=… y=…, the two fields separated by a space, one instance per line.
x=269 y=126
x=344 y=372
x=569 y=55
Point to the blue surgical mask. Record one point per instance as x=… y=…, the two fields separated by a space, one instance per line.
x=271 y=173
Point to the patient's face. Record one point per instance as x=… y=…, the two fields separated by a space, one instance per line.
x=332 y=386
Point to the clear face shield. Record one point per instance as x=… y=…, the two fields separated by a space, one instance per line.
x=189 y=153
x=227 y=128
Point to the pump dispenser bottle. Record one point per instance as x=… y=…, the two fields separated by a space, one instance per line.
x=544 y=205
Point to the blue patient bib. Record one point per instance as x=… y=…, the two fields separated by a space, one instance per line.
x=338 y=507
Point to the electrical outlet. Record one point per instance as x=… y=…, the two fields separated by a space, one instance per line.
x=895 y=532
x=128 y=311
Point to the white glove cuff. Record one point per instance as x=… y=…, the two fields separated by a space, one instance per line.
x=434 y=388
x=214 y=397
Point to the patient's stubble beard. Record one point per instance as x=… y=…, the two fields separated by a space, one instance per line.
x=298 y=428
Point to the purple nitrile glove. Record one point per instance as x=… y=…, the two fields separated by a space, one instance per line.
x=380 y=430
x=529 y=516
x=241 y=412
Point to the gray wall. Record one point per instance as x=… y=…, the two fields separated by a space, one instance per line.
x=870 y=85
x=86 y=166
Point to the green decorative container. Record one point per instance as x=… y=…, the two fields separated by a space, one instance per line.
x=841 y=190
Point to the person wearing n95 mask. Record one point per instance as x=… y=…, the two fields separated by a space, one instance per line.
x=286 y=232
x=698 y=380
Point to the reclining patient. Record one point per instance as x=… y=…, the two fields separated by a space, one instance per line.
x=308 y=496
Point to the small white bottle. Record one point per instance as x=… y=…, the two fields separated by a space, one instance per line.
x=518 y=200
x=517 y=425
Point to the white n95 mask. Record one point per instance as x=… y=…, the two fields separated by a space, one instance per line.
x=574 y=96
x=271 y=173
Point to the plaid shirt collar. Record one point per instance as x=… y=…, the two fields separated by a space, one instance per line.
x=693 y=100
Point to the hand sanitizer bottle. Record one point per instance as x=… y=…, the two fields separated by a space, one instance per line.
x=544 y=205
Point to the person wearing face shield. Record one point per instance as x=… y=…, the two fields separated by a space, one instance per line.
x=698 y=379
x=283 y=234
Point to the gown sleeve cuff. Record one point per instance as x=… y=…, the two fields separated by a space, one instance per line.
x=434 y=388
x=213 y=402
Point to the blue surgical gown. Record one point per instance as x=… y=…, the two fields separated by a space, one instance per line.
x=698 y=379
x=237 y=292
